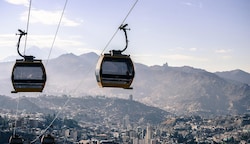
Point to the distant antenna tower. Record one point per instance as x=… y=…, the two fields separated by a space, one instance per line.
x=131 y=97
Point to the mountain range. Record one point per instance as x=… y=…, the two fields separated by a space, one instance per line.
x=88 y=109
x=179 y=90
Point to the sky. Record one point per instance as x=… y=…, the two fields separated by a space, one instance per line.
x=209 y=34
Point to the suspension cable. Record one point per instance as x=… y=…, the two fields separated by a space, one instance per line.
x=101 y=53
x=80 y=81
x=129 y=12
x=57 y=29
x=17 y=109
x=50 y=122
x=18 y=44
x=122 y=26
x=131 y=9
x=27 y=28
x=48 y=58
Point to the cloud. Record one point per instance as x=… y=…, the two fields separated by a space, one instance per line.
x=181 y=49
x=161 y=59
x=48 y=18
x=186 y=58
x=72 y=44
x=224 y=54
x=42 y=41
x=43 y=16
x=187 y=3
x=223 y=51
x=7 y=40
x=226 y=57
x=180 y=57
x=192 y=4
x=8 y=45
x=193 y=49
x=46 y=41
x=19 y=2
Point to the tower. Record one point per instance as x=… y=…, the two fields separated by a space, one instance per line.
x=148 y=134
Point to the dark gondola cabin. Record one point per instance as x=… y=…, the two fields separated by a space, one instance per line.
x=47 y=139
x=15 y=140
x=115 y=70
x=28 y=76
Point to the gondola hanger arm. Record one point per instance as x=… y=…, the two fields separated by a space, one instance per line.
x=22 y=33
x=123 y=27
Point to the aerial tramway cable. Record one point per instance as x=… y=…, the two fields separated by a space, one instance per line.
x=115 y=69
x=17 y=108
x=66 y=102
x=14 y=138
x=122 y=23
x=28 y=74
x=19 y=81
x=57 y=29
x=48 y=58
x=27 y=27
x=23 y=84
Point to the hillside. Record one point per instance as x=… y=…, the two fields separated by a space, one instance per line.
x=189 y=90
x=236 y=75
x=87 y=109
x=178 y=90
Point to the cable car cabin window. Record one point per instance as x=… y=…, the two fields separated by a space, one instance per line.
x=28 y=73
x=115 y=72
x=115 y=68
x=15 y=140
x=28 y=77
x=48 y=140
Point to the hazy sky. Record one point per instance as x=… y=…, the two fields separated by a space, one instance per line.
x=208 y=34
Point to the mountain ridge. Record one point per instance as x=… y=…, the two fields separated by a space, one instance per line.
x=176 y=89
x=235 y=75
x=89 y=109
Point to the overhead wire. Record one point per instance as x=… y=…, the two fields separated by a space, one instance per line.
x=50 y=122
x=57 y=29
x=112 y=37
x=107 y=43
x=122 y=23
x=66 y=102
x=25 y=44
x=27 y=27
x=48 y=58
x=17 y=109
